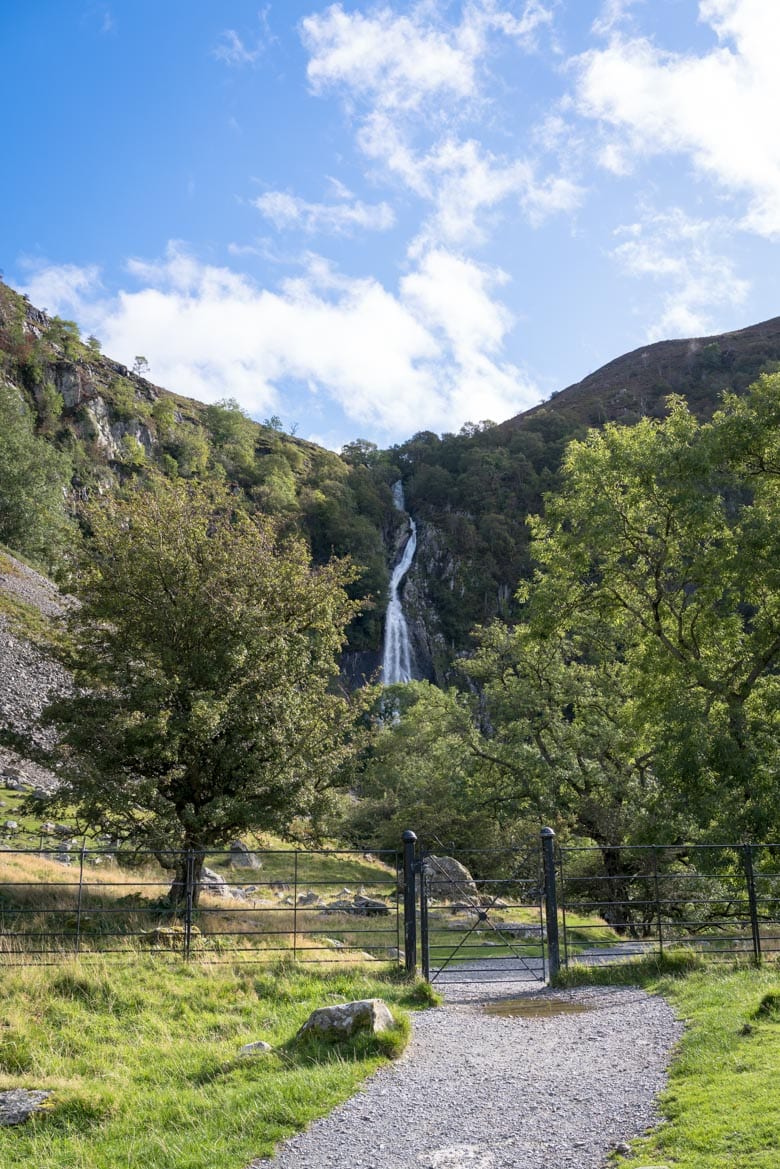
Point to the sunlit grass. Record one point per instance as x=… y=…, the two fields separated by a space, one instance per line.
x=143 y=1060
x=722 y=1107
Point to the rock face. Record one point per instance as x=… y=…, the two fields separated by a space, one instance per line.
x=449 y=880
x=345 y=1019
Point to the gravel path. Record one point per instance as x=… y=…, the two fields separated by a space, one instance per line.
x=481 y=1091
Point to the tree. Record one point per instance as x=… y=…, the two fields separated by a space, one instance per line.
x=140 y=365
x=665 y=534
x=206 y=653
x=33 y=481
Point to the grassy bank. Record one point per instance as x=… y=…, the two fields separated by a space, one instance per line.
x=142 y=1060
x=722 y=1107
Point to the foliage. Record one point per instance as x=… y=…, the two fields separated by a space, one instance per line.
x=33 y=478
x=665 y=534
x=416 y=771
x=206 y=648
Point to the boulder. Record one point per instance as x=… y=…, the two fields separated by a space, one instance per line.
x=345 y=1019
x=168 y=937
x=309 y=898
x=241 y=856
x=449 y=880
x=18 y=1104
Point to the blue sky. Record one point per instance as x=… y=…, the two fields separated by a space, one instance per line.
x=374 y=219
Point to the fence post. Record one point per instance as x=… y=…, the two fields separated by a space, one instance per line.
x=295 y=906
x=189 y=890
x=657 y=889
x=747 y=856
x=410 y=903
x=81 y=895
x=551 y=902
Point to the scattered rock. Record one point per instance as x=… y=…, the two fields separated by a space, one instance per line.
x=520 y=929
x=18 y=1104
x=259 y=1047
x=309 y=898
x=241 y=857
x=345 y=1019
x=213 y=883
x=370 y=907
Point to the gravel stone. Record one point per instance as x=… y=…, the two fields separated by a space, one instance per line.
x=481 y=1091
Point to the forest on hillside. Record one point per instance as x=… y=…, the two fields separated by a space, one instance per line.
x=611 y=607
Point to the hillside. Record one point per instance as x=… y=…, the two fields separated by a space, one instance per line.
x=469 y=492
x=637 y=383
x=108 y=424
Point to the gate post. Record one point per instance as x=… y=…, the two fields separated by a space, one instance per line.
x=410 y=903
x=550 y=902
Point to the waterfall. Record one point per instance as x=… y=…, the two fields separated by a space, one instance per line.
x=397 y=653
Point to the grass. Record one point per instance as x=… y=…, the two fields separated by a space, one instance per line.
x=144 y=1066
x=721 y=1107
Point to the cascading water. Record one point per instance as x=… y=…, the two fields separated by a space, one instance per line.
x=397 y=654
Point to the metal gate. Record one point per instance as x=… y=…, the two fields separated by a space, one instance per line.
x=483 y=915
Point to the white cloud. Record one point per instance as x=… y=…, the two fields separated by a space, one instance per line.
x=464 y=181
x=285 y=210
x=411 y=77
x=232 y=49
x=60 y=289
x=679 y=253
x=719 y=107
x=426 y=357
x=397 y=61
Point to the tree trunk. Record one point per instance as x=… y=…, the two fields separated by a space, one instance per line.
x=187 y=878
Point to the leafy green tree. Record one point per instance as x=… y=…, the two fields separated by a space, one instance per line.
x=666 y=534
x=33 y=481
x=233 y=434
x=206 y=656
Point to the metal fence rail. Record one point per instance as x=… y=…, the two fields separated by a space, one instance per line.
x=322 y=906
x=520 y=914
x=720 y=900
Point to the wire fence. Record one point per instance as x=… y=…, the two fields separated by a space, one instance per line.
x=322 y=906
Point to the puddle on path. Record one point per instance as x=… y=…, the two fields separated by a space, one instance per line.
x=528 y=1008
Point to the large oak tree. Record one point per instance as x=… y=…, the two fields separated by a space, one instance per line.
x=206 y=648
